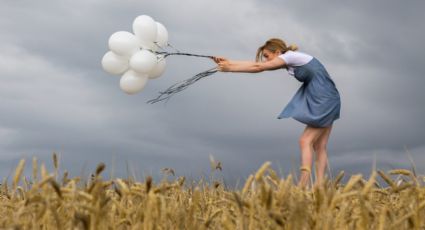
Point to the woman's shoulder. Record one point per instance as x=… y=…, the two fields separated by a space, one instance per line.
x=295 y=58
x=296 y=54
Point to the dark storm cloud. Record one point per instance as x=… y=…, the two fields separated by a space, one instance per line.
x=56 y=97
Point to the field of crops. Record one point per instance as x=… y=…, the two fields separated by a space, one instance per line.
x=47 y=200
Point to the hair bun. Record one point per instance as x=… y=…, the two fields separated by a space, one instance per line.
x=293 y=47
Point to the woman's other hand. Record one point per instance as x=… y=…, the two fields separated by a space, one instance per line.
x=223 y=63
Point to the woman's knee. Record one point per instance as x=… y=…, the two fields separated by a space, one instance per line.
x=305 y=141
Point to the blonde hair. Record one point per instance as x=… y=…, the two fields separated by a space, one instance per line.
x=273 y=45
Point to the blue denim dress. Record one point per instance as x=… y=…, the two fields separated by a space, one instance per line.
x=317 y=102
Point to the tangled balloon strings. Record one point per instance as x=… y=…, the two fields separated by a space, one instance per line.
x=172 y=90
x=178 y=87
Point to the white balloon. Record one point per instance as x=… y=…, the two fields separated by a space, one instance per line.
x=132 y=82
x=159 y=68
x=123 y=43
x=161 y=35
x=144 y=27
x=114 y=64
x=143 y=61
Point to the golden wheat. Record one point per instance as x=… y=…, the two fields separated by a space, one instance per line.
x=266 y=201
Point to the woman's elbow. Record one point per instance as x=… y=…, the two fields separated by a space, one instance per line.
x=257 y=68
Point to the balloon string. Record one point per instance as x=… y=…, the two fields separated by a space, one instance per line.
x=178 y=87
x=169 y=45
x=185 y=54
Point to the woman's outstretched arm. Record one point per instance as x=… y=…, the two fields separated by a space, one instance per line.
x=225 y=65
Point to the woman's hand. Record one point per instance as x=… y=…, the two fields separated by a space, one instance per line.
x=219 y=59
x=223 y=64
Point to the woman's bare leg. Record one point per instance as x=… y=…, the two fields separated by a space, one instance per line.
x=309 y=136
x=321 y=154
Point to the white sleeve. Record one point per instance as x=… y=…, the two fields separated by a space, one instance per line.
x=292 y=58
x=285 y=58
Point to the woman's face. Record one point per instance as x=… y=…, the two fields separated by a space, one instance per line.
x=269 y=55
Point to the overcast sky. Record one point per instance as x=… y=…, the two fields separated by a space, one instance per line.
x=55 y=96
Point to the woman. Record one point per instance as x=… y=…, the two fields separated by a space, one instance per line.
x=316 y=103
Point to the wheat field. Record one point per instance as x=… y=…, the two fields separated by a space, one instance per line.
x=46 y=200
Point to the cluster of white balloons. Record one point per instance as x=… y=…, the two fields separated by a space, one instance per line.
x=133 y=55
